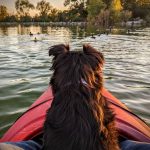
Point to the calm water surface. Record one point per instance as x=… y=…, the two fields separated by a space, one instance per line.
x=24 y=66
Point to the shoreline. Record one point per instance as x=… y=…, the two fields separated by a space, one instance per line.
x=46 y=23
x=65 y=24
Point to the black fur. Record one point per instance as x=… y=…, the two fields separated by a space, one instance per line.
x=79 y=117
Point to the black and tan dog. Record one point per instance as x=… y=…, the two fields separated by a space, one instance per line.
x=79 y=117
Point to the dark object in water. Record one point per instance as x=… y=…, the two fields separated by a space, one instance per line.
x=31 y=34
x=93 y=36
x=35 y=39
x=128 y=31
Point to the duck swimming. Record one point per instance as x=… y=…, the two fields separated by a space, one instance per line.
x=93 y=36
x=31 y=34
x=35 y=39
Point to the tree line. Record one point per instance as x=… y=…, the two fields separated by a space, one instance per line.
x=99 y=12
x=110 y=12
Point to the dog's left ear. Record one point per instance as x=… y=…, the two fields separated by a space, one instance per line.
x=58 y=49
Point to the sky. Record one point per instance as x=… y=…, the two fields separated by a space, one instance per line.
x=10 y=4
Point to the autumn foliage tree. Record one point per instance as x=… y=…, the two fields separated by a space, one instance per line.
x=3 y=12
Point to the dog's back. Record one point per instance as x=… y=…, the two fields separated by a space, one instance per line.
x=75 y=120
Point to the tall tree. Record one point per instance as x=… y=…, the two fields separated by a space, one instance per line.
x=125 y=16
x=44 y=8
x=77 y=10
x=144 y=2
x=139 y=8
x=116 y=5
x=23 y=7
x=3 y=12
x=70 y=2
x=128 y=4
x=94 y=7
x=107 y=3
x=54 y=15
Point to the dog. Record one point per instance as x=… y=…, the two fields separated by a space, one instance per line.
x=79 y=117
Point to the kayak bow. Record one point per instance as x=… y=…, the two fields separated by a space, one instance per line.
x=30 y=124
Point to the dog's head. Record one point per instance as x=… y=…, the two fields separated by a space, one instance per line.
x=76 y=67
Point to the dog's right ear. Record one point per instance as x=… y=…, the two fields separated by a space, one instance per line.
x=58 y=49
x=87 y=49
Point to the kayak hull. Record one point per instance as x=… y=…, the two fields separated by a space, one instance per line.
x=30 y=124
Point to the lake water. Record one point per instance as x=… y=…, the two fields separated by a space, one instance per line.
x=24 y=66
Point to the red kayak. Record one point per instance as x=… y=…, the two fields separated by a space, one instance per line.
x=30 y=124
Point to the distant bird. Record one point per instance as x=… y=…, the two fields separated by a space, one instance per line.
x=110 y=29
x=35 y=39
x=31 y=34
x=128 y=31
x=104 y=33
x=93 y=36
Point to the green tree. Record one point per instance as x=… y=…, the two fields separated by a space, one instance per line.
x=143 y=8
x=44 y=8
x=126 y=15
x=94 y=8
x=3 y=12
x=63 y=16
x=139 y=8
x=23 y=7
x=103 y=18
x=54 y=15
x=36 y=18
x=107 y=3
x=144 y=3
x=128 y=4
x=70 y=2
x=11 y=18
x=77 y=12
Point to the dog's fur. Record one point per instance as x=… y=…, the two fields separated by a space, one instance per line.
x=79 y=117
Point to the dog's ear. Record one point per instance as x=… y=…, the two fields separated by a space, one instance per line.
x=58 y=49
x=87 y=49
